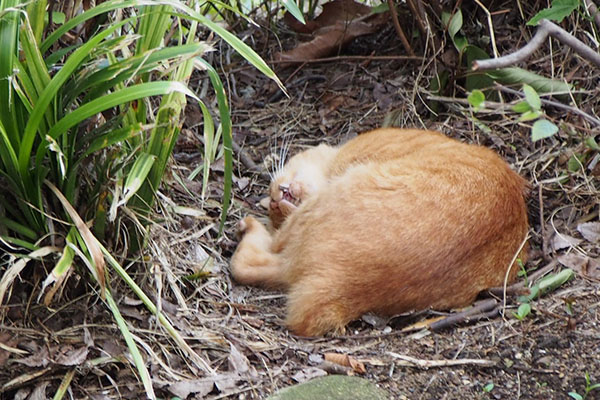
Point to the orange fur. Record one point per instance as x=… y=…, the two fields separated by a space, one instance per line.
x=395 y=220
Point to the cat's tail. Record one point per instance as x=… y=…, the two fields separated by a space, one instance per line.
x=253 y=262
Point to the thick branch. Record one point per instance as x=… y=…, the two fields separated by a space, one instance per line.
x=545 y=28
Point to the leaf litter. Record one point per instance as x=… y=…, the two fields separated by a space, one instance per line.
x=239 y=330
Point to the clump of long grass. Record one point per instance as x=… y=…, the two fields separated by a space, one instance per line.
x=81 y=145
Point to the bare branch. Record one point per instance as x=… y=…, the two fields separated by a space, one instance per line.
x=420 y=363
x=546 y=28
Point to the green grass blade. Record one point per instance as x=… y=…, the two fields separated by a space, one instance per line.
x=9 y=39
x=114 y=308
x=111 y=100
x=37 y=11
x=293 y=9
x=110 y=76
x=133 y=349
x=209 y=137
x=64 y=385
x=113 y=137
x=21 y=229
x=226 y=131
x=18 y=242
x=51 y=90
x=200 y=363
x=137 y=175
x=8 y=155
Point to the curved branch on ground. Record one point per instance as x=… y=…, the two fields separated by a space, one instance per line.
x=546 y=28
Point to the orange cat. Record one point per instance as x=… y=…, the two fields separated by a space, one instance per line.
x=395 y=220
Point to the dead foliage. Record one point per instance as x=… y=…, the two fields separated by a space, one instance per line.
x=238 y=330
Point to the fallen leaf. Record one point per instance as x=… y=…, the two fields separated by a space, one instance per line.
x=39 y=393
x=307 y=374
x=327 y=42
x=39 y=359
x=238 y=362
x=226 y=382
x=590 y=231
x=333 y=12
x=586 y=266
x=72 y=357
x=346 y=361
x=562 y=241
x=10 y=343
x=340 y=22
x=200 y=387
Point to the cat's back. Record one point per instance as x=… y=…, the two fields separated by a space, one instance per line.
x=412 y=146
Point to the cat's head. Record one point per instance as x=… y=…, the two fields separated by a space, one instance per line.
x=303 y=175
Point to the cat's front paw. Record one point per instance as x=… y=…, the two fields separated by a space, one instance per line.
x=246 y=225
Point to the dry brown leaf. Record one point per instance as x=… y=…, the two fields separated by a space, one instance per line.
x=326 y=42
x=586 y=266
x=346 y=361
x=340 y=22
x=590 y=231
x=561 y=241
x=38 y=359
x=200 y=387
x=72 y=357
x=238 y=362
x=307 y=374
x=333 y=12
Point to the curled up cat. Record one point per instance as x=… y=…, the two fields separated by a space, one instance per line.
x=392 y=221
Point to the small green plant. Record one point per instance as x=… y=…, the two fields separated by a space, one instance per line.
x=530 y=110
x=557 y=11
x=523 y=311
x=488 y=388
x=589 y=386
x=522 y=271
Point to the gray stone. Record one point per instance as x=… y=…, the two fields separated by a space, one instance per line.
x=332 y=387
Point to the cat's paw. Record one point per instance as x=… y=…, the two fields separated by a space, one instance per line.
x=246 y=225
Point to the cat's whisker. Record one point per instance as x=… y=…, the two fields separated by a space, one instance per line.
x=284 y=151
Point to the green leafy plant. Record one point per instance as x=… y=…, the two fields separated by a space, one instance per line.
x=86 y=132
x=589 y=386
x=531 y=109
x=488 y=388
x=523 y=311
x=557 y=11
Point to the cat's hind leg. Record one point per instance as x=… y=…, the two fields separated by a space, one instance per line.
x=314 y=308
x=253 y=262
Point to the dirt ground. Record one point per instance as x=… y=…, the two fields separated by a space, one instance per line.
x=238 y=330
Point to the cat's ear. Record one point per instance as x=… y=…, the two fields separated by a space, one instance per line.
x=265 y=202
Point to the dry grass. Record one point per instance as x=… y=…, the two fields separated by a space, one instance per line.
x=238 y=330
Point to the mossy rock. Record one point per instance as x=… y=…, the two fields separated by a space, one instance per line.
x=333 y=387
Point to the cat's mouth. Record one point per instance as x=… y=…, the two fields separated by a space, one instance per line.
x=286 y=195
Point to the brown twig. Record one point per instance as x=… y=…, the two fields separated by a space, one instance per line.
x=465 y=316
x=546 y=28
x=398 y=28
x=556 y=104
x=350 y=58
x=248 y=161
x=415 y=362
x=417 y=11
